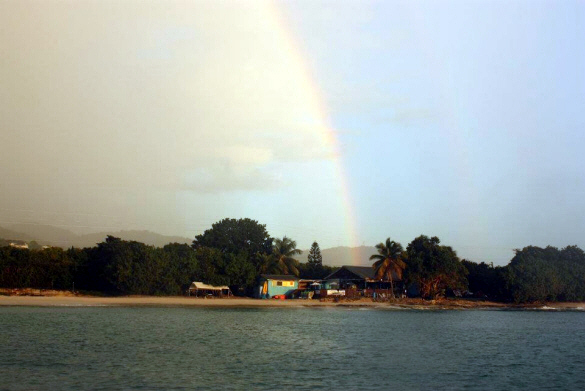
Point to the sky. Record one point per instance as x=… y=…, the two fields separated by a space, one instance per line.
x=343 y=122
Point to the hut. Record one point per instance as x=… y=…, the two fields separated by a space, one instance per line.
x=198 y=288
x=272 y=285
x=347 y=276
x=360 y=279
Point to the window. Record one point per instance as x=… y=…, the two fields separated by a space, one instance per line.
x=283 y=283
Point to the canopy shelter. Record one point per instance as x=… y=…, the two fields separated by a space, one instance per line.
x=200 y=289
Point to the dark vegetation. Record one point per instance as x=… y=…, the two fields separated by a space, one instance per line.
x=235 y=252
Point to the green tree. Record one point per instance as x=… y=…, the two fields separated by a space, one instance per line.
x=183 y=266
x=267 y=264
x=314 y=267
x=433 y=267
x=546 y=274
x=53 y=268
x=389 y=261
x=485 y=279
x=236 y=235
x=126 y=267
x=33 y=245
x=284 y=249
x=309 y=271
x=314 y=258
x=16 y=268
x=211 y=266
x=240 y=273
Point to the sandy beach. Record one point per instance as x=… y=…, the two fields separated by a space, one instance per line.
x=66 y=298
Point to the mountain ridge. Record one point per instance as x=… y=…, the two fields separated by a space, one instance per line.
x=60 y=237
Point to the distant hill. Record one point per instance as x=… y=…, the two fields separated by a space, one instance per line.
x=45 y=234
x=55 y=236
x=339 y=256
x=147 y=237
x=10 y=234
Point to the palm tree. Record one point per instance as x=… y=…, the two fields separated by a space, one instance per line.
x=283 y=250
x=388 y=261
x=267 y=264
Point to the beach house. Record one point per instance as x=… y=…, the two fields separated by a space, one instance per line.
x=276 y=285
x=360 y=278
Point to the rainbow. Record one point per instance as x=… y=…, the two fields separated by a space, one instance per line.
x=320 y=115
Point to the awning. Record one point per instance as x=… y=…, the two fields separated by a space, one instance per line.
x=202 y=286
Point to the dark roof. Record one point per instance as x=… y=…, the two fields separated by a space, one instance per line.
x=360 y=272
x=282 y=277
x=365 y=272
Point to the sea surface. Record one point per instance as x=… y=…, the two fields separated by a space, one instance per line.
x=175 y=348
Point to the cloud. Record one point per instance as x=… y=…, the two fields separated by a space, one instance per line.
x=227 y=179
x=132 y=96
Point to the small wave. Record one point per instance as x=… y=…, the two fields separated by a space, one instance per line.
x=547 y=308
x=393 y=307
x=82 y=305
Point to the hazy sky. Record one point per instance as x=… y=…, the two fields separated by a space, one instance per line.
x=343 y=122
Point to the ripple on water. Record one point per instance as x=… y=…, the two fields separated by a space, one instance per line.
x=76 y=348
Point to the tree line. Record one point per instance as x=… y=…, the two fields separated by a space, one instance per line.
x=232 y=252
x=533 y=275
x=235 y=252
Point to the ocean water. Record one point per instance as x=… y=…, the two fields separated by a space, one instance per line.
x=173 y=348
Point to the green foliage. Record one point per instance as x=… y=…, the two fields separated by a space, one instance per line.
x=129 y=267
x=183 y=266
x=232 y=236
x=33 y=245
x=314 y=258
x=23 y=268
x=433 y=267
x=240 y=272
x=485 y=279
x=211 y=266
x=283 y=250
x=536 y=274
x=389 y=264
x=233 y=252
x=389 y=260
x=113 y=266
x=317 y=272
x=245 y=247
x=314 y=268
x=267 y=264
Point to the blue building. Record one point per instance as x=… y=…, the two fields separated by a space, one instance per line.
x=275 y=285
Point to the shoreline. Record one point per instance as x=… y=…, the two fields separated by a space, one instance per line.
x=69 y=299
